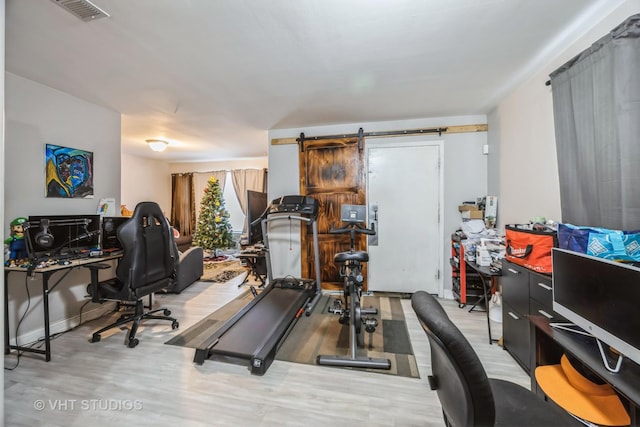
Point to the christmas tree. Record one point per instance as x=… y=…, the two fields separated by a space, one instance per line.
x=213 y=230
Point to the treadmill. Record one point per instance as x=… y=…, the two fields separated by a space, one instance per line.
x=257 y=331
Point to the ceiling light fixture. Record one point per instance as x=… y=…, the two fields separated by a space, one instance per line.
x=157 y=144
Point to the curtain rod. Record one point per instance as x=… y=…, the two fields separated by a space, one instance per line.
x=439 y=130
x=371 y=134
x=219 y=170
x=361 y=135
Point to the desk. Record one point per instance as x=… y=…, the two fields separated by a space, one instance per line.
x=257 y=263
x=46 y=273
x=549 y=344
x=486 y=275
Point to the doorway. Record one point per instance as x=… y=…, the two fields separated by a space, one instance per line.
x=404 y=200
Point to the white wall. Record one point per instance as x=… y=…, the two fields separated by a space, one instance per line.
x=34 y=115
x=145 y=180
x=464 y=171
x=522 y=159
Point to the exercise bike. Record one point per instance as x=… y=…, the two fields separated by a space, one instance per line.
x=350 y=264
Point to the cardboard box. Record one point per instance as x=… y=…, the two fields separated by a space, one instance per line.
x=464 y=208
x=472 y=214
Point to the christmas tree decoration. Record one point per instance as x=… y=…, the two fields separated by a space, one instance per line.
x=213 y=230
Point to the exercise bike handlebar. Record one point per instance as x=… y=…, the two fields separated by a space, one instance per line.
x=353 y=228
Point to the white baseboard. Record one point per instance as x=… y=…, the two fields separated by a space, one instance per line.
x=448 y=294
x=63 y=325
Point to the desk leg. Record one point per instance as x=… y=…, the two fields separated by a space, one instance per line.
x=485 y=291
x=485 y=297
x=486 y=306
x=45 y=304
x=6 y=313
x=246 y=278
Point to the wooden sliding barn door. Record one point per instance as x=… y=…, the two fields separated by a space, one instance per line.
x=332 y=172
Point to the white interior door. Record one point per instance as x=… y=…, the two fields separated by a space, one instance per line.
x=403 y=194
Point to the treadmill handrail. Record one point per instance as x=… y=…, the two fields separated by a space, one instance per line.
x=277 y=217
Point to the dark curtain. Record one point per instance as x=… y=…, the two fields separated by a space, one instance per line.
x=182 y=203
x=596 y=104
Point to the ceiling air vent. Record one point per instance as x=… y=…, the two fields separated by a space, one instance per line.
x=83 y=9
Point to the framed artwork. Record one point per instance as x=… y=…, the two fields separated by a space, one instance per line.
x=68 y=172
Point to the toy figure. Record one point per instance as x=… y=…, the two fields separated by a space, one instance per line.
x=17 y=245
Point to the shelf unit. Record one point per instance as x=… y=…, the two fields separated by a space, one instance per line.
x=466 y=282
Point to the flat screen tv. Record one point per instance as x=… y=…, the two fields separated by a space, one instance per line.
x=62 y=235
x=256 y=207
x=110 y=225
x=601 y=297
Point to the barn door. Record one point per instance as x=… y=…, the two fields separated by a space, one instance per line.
x=332 y=172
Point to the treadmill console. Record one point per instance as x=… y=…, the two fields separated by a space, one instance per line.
x=294 y=204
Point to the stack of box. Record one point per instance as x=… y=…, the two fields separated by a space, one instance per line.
x=469 y=211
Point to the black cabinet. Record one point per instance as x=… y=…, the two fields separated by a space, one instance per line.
x=524 y=293
x=515 y=335
x=541 y=302
x=515 y=309
x=515 y=287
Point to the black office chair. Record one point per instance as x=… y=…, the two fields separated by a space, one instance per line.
x=147 y=266
x=468 y=397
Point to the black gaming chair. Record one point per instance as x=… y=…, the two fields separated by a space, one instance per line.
x=467 y=396
x=147 y=266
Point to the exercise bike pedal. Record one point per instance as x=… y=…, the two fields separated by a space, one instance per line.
x=336 y=307
x=370 y=324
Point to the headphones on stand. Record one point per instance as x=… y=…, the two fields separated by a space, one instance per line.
x=44 y=238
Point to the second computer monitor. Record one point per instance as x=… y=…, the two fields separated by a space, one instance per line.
x=110 y=225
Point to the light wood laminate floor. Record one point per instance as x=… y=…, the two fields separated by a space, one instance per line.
x=108 y=384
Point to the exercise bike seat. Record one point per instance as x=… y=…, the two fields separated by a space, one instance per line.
x=359 y=256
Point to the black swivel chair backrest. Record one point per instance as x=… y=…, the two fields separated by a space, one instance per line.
x=148 y=261
x=461 y=382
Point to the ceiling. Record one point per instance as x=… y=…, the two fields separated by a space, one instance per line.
x=213 y=76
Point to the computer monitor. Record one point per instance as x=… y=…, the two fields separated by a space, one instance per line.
x=61 y=235
x=256 y=207
x=110 y=225
x=601 y=297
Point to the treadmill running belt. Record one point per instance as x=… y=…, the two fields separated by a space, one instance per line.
x=254 y=329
